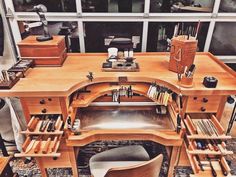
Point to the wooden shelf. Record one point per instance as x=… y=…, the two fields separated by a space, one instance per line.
x=31 y=153
x=37 y=132
x=97 y=90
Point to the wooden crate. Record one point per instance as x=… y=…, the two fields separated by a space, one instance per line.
x=183 y=50
x=47 y=53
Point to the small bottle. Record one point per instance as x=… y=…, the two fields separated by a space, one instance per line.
x=131 y=53
x=126 y=53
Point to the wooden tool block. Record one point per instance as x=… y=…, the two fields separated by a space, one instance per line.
x=183 y=50
x=47 y=53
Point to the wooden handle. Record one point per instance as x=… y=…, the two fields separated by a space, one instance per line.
x=37 y=146
x=26 y=143
x=46 y=146
x=58 y=123
x=53 y=145
x=33 y=124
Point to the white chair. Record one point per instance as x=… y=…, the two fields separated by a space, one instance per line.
x=129 y=161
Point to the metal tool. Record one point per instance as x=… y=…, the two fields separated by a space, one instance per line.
x=213 y=172
x=199 y=162
x=43 y=125
x=178 y=123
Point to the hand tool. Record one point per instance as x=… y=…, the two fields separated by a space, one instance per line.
x=199 y=162
x=26 y=143
x=33 y=123
x=57 y=124
x=178 y=123
x=51 y=126
x=30 y=146
x=197 y=30
x=46 y=146
x=53 y=144
x=225 y=173
x=43 y=125
x=213 y=172
x=37 y=146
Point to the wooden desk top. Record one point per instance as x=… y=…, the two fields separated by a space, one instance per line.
x=62 y=81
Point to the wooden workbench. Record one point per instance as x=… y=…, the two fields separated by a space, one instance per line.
x=56 y=87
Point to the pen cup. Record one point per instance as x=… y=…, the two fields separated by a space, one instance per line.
x=182 y=53
x=186 y=82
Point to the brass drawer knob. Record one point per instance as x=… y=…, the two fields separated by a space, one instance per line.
x=42 y=101
x=44 y=110
x=203 y=109
x=205 y=100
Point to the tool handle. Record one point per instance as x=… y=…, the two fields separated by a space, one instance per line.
x=46 y=146
x=53 y=146
x=26 y=143
x=37 y=147
x=225 y=173
x=33 y=124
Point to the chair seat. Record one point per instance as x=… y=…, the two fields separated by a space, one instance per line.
x=99 y=169
x=117 y=157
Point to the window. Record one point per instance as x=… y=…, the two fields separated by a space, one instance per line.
x=126 y=6
x=187 y=6
x=224 y=39
x=227 y=6
x=99 y=35
x=52 y=5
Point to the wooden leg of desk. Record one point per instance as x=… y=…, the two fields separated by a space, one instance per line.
x=173 y=158
x=43 y=170
x=72 y=155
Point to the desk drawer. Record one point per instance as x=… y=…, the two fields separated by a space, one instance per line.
x=203 y=104
x=43 y=105
x=47 y=101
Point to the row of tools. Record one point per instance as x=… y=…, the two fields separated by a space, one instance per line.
x=204 y=127
x=210 y=144
x=125 y=91
x=209 y=164
x=45 y=123
x=36 y=144
x=160 y=93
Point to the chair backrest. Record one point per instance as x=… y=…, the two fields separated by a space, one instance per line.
x=148 y=169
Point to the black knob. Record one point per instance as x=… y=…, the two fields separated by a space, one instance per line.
x=203 y=109
x=195 y=98
x=49 y=99
x=44 y=110
x=205 y=100
x=42 y=101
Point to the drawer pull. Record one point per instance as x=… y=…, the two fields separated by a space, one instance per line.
x=203 y=109
x=205 y=100
x=49 y=99
x=42 y=101
x=44 y=110
x=195 y=98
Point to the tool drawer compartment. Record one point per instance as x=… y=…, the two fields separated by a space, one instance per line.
x=207 y=103
x=40 y=146
x=204 y=126
x=202 y=165
x=45 y=124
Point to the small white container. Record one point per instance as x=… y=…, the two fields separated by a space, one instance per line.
x=112 y=52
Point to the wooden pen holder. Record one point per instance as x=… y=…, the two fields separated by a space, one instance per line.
x=186 y=82
x=183 y=51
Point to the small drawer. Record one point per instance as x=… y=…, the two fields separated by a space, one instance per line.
x=37 y=101
x=43 y=109
x=46 y=147
x=204 y=128
x=203 y=104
